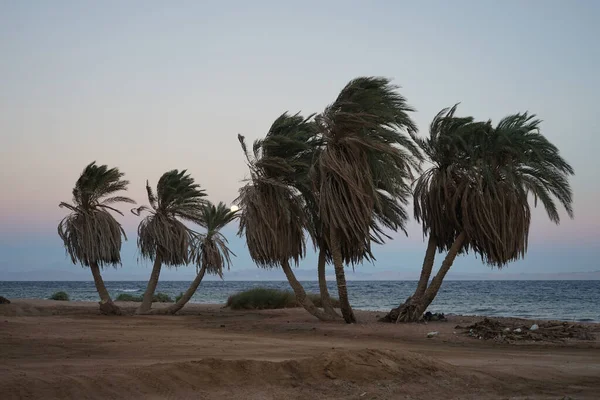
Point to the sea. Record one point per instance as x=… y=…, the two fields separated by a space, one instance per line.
x=564 y=300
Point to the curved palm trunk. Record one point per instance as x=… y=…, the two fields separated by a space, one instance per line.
x=325 y=299
x=413 y=308
x=144 y=308
x=410 y=310
x=436 y=282
x=301 y=294
x=173 y=308
x=340 y=277
x=106 y=304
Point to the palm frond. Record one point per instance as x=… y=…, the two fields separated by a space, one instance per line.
x=90 y=233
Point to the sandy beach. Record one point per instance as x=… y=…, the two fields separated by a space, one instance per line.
x=57 y=350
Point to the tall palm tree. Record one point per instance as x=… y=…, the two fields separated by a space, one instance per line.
x=210 y=251
x=271 y=208
x=90 y=234
x=362 y=173
x=162 y=236
x=475 y=195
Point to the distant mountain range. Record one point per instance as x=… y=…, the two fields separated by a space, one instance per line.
x=257 y=274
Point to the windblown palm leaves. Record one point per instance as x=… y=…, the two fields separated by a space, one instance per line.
x=90 y=233
x=481 y=180
x=272 y=208
x=211 y=250
x=363 y=172
x=162 y=232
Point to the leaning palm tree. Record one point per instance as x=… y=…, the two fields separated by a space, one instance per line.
x=475 y=195
x=162 y=236
x=210 y=251
x=90 y=234
x=362 y=174
x=271 y=209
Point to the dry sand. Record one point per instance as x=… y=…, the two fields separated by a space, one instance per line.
x=64 y=350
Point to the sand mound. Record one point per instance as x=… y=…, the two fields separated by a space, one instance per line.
x=326 y=372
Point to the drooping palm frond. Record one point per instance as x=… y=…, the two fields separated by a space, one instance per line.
x=211 y=249
x=272 y=215
x=161 y=232
x=363 y=173
x=272 y=219
x=90 y=233
x=480 y=182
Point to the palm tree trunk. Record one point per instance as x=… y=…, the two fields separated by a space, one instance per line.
x=173 y=308
x=325 y=299
x=301 y=294
x=411 y=311
x=427 y=267
x=436 y=282
x=144 y=308
x=106 y=304
x=340 y=277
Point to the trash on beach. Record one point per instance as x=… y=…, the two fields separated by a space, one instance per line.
x=550 y=331
x=432 y=334
x=428 y=316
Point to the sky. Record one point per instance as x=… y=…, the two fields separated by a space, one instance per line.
x=153 y=86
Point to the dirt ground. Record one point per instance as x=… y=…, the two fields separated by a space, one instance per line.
x=52 y=350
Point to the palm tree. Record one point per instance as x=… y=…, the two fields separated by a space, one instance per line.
x=90 y=234
x=475 y=195
x=362 y=173
x=210 y=251
x=162 y=236
x=272 y=209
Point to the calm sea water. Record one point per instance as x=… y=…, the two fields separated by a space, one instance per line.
x=565 y=300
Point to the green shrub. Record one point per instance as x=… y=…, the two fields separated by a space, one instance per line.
x=162 y=298
x=61 y=296
x=129 y=297
x=157 y=298
x=178 y=297
x=263 y=299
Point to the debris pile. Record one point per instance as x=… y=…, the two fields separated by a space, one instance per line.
x=551 y=331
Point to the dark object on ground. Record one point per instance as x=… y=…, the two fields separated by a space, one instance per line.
x=4 y=300
x=157 y=298
x=60 y=296
x=434 y=317
x=265 y=298
x=109 y=308
x=551 y=331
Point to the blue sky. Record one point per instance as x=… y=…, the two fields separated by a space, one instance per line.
x=151 y=86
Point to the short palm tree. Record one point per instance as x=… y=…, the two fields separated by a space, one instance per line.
x=475 y=195
x=272 y=213
x=362 y=174
x=210 y=251
x=162 y=236
x=90 y=234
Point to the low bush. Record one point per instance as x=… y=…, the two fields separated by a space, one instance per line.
x=264 y=298
x=60 y=296
x=157 y=298
x=162 y=298
x=129 y=297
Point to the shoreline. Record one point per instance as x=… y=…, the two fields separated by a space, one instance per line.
x=129 y=304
